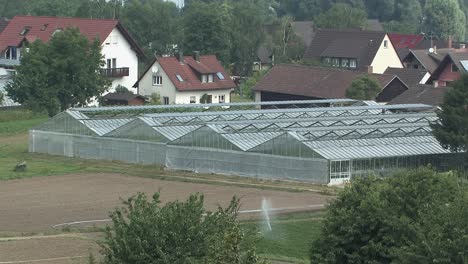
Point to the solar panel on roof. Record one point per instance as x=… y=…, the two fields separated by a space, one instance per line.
x=464 y=63
x=220 y=75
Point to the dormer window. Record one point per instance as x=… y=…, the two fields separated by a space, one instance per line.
x=204 y=78
x=11 y=53
x=352 y=63
x=25 y=31
x=210 y=78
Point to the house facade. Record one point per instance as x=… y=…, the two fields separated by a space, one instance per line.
x=186 y=80
x=119 y=50
x=370 y=51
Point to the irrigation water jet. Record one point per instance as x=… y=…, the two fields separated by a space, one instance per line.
x=266 y=215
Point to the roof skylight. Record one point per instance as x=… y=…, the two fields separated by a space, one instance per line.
x=220 y=75
x=179 y=78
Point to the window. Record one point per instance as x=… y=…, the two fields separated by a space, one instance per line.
x=193 y=99
x=204 y=78
x=220 y=76
x=327 y=61
x=210 y=78
x=352 y=63
x=109 y=63
x=344 y=63
x=11 y=53
x=179 y=78
x=114 y=63
x=221 y=99
x=165 y=100
x=454 y=68
x=25 y=31
x=336 y=62
x=157 y=80
x=385 y=43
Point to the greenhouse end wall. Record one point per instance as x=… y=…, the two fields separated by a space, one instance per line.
x=195 y=159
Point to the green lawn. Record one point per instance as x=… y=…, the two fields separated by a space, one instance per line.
x=290 y=237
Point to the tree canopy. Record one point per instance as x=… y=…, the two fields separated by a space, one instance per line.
x=342 y=16
x=411 y=217
x=452 y=128
x=364 y=88
x=144 y=231
x=59 y=74
x=444 y=18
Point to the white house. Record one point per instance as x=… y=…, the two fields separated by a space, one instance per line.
x=120 y=51
x=186 y=80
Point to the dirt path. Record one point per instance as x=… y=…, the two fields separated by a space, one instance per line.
x=36 y=204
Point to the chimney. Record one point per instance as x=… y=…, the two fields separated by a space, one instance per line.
x=370 y=69
x=196 y=56
x=181 y=56
x=450 y=42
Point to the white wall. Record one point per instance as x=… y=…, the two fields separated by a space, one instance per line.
x=168 y=89
x=386 y=57
x=126 y=57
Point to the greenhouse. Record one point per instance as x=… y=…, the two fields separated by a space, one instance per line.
x=321 y=141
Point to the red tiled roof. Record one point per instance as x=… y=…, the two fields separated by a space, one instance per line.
x=191 y=79
x=403 y=41
x=42 y=28
x=326 y=83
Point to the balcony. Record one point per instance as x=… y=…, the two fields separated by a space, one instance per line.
x=115 y=72
x=9 y=63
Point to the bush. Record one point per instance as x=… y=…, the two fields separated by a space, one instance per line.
x=410 y=214
x=178 y=232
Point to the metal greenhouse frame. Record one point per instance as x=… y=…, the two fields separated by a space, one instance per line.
x=323 y=141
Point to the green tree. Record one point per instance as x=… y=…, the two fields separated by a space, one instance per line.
x=444 y=19
x=452 y=128
x=377 y=220
x=364 y=88
x=2 y=97
x=144 y=231
x=59 y=74
x=206 y=29
x=247 y=86
x=122 y=89
x=342 y=16
x=155 y=99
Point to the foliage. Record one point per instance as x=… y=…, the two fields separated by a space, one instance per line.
x=178 y=232
x=206 y=29
x=376 y=220
x=204 y=99
x=284 y=44
x=122 y=89
x=364 y=88
x=452 y=129
x=247 y=86
x=444 y=18
x=155 y=99
x=2 y=97
x=342 y=16
x=60 y=74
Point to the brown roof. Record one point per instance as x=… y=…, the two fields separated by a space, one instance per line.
x=43 y=27
x=430 y=61
x=408 y=76
x=459 y=58
x=189 y=71
x=315 y=82
x=359 y=44
x=421 y=94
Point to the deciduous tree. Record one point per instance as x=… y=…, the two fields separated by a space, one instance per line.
x=144 y=231
x=444 y=19
x=342 y=16
x=452 y=128
x=363 y=88
x=59 y=74
x=377 y=220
